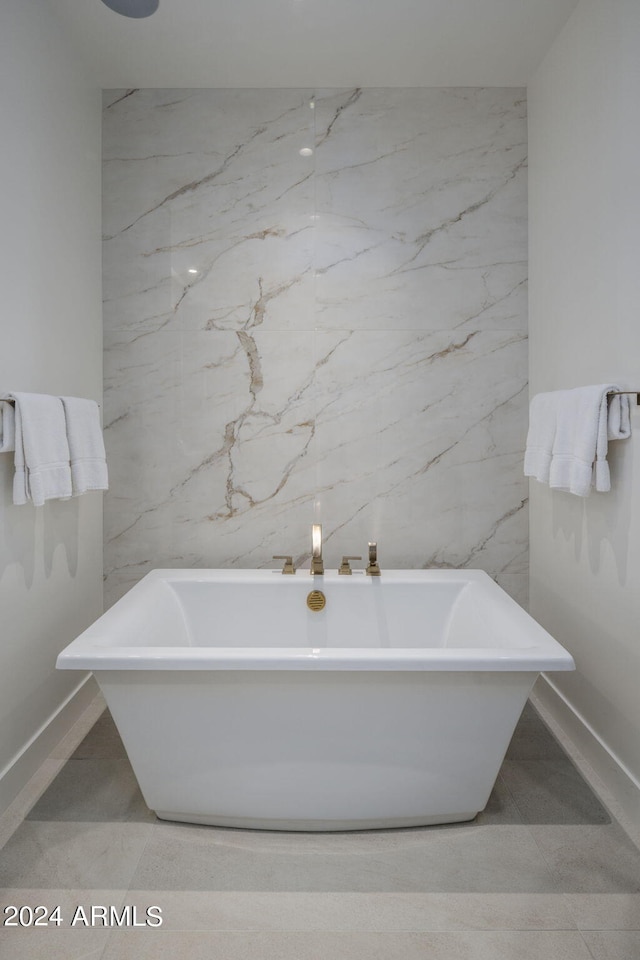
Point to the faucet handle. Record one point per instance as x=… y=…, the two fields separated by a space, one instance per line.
x=288 y=562
x=373 y=569
x=345 y=569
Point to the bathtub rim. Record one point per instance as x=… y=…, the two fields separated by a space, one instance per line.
x=92 y=651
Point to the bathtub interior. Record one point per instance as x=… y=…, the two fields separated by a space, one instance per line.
x=361 y=612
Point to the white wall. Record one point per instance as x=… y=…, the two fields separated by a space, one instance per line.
x=585 y=328
x=50 y=557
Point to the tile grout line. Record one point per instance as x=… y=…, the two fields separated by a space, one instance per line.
x=587 y=947
x=507 y=789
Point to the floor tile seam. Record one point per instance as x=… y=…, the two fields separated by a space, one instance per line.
x=587 y=947
x=410 y=897
x=442 y=926
x=583 y=927
x=109 y=938
x=566 y=899
x=110 y=935
x=507 y=788
x=135 y=869
x=123 y=932
x=93 y=954
x=387 y=931
x=554 y=873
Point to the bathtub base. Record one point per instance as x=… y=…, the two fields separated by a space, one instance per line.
x=315 y=751
x=316 y=826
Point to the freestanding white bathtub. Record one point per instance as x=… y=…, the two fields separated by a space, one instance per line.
x=239 y=706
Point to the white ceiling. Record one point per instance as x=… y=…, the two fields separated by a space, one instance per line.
x=316 y=43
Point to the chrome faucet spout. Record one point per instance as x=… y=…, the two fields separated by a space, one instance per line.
x=317 y=565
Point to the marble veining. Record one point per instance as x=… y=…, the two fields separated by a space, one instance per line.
x=334 y=334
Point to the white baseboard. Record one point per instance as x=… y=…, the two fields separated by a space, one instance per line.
x=17 y=774
x=615 y=784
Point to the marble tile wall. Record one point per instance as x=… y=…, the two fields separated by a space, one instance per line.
x=315 y=309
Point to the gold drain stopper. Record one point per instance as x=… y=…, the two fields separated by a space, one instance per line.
x=316 y=600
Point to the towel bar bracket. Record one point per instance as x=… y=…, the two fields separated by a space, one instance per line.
x=620 y=393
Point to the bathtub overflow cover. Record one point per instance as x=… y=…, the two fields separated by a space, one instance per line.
x=316 y=600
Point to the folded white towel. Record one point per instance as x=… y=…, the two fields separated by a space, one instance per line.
x=7 y=427
x=86 y=446
x=568 y=437
x=42 y=452
x=543 y=415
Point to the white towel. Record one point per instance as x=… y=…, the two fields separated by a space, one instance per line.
x=42 y=452
x=543 y=415
x=568 y=437
x=86 y=446
x=7 y=427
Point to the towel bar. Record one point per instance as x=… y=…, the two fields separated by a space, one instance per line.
x=620 y=393
x=11 y=400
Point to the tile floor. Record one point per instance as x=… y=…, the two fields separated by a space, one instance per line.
x=544 y=873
